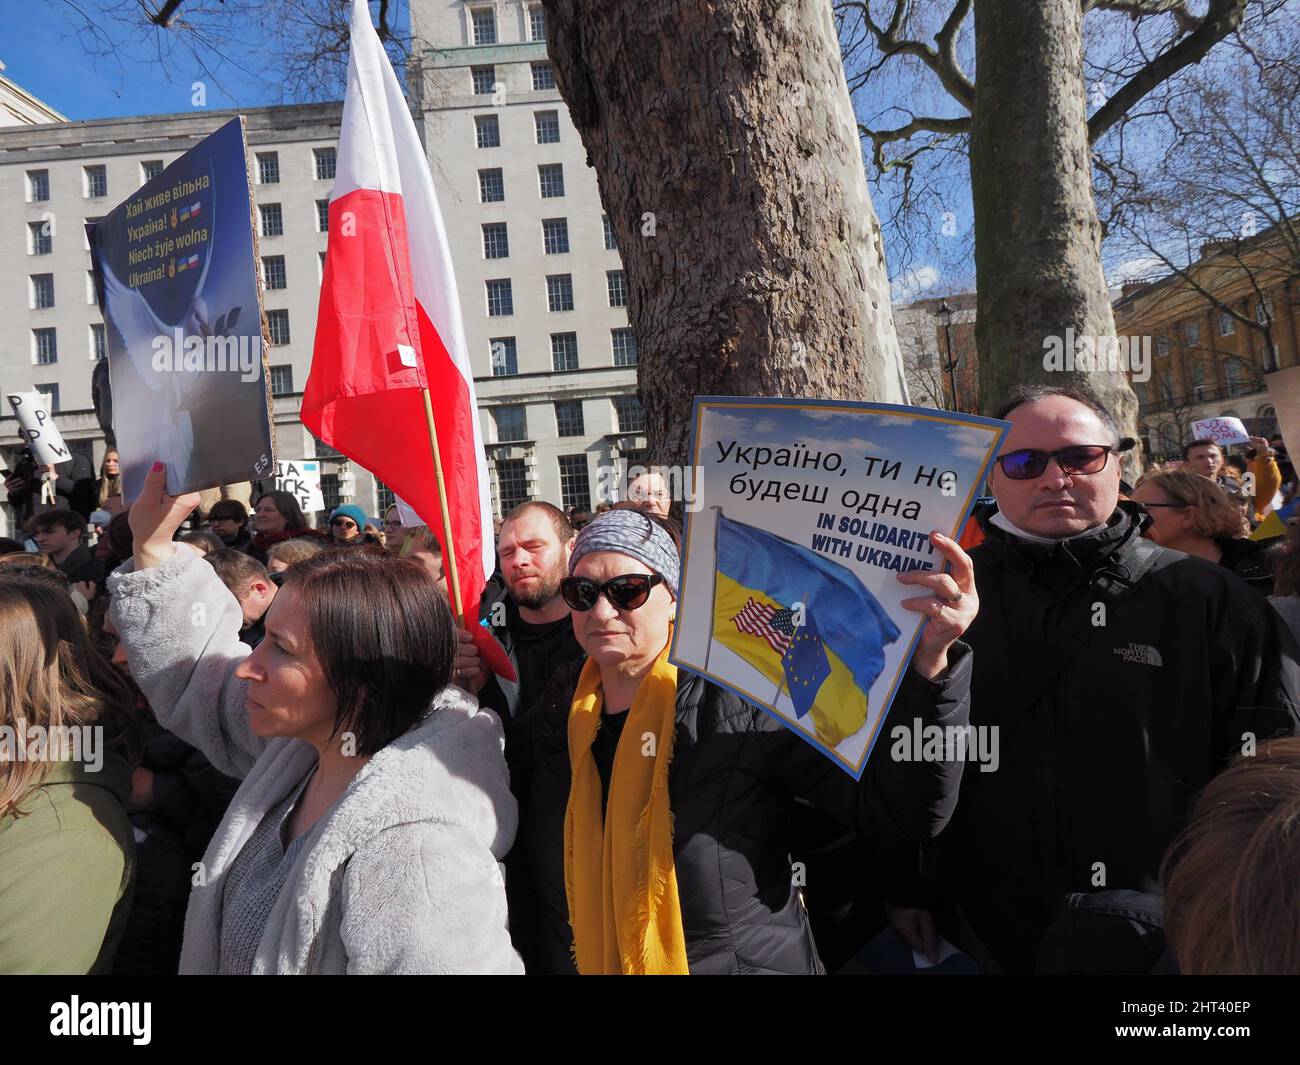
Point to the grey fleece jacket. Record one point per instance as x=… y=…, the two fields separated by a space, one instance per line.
x=402 y=875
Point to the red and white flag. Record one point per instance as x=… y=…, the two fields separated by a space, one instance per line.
x=389 y=326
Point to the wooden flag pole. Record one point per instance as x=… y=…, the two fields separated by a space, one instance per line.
x=449 y=559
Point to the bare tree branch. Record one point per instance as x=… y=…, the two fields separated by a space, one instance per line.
x=942 y=60
x=1221 y=19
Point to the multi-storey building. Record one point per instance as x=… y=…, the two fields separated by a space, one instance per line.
x=1206 y=362
x=542 y=291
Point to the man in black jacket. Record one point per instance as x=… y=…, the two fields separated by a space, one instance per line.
x=1121 y=677
x=530 y=619
x=58 y=534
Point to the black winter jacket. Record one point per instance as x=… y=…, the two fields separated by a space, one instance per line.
x=1112 y=715
x=734 y=775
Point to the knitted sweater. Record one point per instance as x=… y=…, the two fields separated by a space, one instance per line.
x=403 y=874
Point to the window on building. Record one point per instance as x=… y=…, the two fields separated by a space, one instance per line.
x=555 y=236
x=281 y=380
x=487 y=131
x=326 y=163
x=616 y=286
x=1264 y=312
x=491 y=186
x=496 y=242
x=564 y=351
x=543 y=77
x=38 y=186
x=273 y=274
x=330 y=493
x=150 y=169
x=536 y=23
x=568 y=418
x=547 y=126
x=98 y=341
x=320 y=266
x=575 y=485
x=484 y=25
x=611 y=241
x=278 y=322
x=1162 y=345
x=45 y=346
x=484 y=79
x=385 y=497
x=96 y=181
x=1198 y=379
x=42 y=290
x=550 y=178
x=40 y=237
x=500 y=298
x=629 y=416
x=512 y=483
x=505 y=356
x=1192 y=333
x=559 y=292
x=268 y=168
x=272 y=220
x=51 y=394
x=1227 y=324
x=511 y=424
x=1232 y=374
x=87 y=225
x=624 y=345
x=323 y=216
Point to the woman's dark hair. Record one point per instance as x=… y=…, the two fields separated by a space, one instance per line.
x=383 y=634
x=10 y=547
x=287 y=504
x=202 y=538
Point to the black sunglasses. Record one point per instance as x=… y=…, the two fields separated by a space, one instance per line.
x=1085 y=459
x=344 y=522
x=626 y=592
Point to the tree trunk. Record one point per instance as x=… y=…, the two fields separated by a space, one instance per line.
x=1037 y=237
x=729 y=163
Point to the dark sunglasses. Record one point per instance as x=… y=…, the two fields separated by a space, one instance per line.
x=345 y=522
x=626 y=592
x=1079 y=459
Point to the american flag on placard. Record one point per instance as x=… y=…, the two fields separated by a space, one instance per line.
x=773 y=624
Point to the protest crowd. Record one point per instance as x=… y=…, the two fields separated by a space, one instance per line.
x=303 y=763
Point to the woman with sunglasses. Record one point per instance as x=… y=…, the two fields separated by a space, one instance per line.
x=1192 y=514
x=656 y=807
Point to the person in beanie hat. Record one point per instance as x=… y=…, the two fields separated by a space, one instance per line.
x=347 y=523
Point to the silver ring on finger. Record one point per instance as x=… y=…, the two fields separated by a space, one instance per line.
x=954 y=598
x=938 y=607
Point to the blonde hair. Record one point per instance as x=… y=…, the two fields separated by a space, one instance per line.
x=291 y=551
x=50 y=676
x=1216 y=514
x=109 y=486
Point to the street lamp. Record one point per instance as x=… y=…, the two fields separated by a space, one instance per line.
x=945 y=316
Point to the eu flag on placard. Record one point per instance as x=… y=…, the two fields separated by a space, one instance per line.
x=806 y=665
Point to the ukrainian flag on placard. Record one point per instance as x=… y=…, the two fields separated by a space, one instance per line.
x=761 y=575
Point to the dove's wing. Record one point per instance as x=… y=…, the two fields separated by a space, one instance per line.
x=137 y=325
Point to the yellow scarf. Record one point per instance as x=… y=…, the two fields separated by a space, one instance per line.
x=618 y=872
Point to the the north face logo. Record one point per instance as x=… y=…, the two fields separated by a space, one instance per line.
x=1140 y=652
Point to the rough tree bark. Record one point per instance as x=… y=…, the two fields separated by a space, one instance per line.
x=1037 y=237
x=729 y=163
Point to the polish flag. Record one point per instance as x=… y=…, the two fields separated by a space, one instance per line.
x=389 y=326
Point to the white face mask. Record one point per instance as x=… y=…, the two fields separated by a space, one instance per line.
x=1003 y=523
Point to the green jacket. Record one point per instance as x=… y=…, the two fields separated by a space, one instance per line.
x=67 y=871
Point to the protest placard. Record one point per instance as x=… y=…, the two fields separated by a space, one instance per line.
x=808 y=510
x=301 y=479
x=1222 y=431
x=177 y=278
x=36 y=426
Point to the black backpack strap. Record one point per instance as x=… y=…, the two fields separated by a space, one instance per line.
x=1116 y=582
